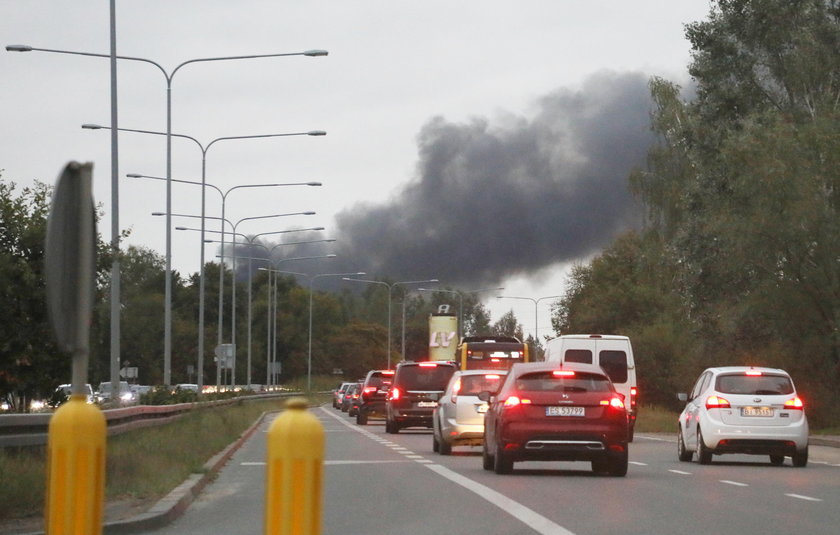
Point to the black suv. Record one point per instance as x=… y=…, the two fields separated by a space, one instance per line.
x=373 y=394
x=414 y=393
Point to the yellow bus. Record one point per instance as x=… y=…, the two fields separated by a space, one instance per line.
x=490 y=352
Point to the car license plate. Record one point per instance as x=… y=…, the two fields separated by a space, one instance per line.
x=757 y=411
x=424 y=404
x=564 y=411
x=481 y=408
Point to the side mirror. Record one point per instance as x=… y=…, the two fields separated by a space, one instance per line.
x=682 y=396
x=484 y=395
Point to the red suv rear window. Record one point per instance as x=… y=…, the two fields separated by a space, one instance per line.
x=548 y=382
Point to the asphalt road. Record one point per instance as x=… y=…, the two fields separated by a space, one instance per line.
x=395 y=484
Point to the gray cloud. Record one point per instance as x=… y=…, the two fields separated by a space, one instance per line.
x=494 y=199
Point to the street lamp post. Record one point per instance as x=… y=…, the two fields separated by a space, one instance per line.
x=233 y=289
x=536 y=311
x=223 y=195
x=167 y=343
x=203 y=148
x=390 y=288
x=309 y=351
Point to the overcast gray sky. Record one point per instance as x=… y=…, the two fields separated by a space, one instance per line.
x=482 y=143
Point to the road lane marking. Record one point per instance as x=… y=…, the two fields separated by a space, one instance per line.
x=680 y=472
x=637 y=463
x=735 y=483
x=527 y=516
x=801 y=497
x=329 y=463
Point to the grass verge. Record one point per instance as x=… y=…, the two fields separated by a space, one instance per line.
x=145 y=463
x=653 y=419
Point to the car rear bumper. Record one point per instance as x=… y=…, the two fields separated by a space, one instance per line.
x=722 y=438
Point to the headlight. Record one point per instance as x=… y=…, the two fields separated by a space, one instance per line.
x=127 y=396
x=37 y=405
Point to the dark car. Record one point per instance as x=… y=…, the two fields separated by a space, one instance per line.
x=351 y=393
x=552 y=412
x=373 y=394
x=415 y=392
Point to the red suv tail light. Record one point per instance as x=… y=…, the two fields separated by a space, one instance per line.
x=795 y=404
x=614 y=402
x=515 y=401
x=717 y=402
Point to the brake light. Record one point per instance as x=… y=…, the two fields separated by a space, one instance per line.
x=514 y=401
x=717 y=402
x=492 y=377
x=633 y=394
x=752 y=373
x=394 y=394
x=456 y=389
x=428 y=364
x=388 y=372
x=794 y=403
x=614 y=402
x=563 y=373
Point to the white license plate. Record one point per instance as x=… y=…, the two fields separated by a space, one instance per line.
x=757 y=411
x=481 y=408
x=424 y=404
x=564 y=411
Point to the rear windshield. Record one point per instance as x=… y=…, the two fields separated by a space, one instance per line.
x=754 y=385
x=424 y=378
x=548 y=382
x=471 y=385
x=379 y=380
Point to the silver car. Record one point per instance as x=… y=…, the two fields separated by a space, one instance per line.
x=740 y=409
x=458 y=420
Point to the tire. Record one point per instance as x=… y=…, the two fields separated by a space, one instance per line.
x=502 y=463
x=631 y=431
x=600 y=465
x=800 y=458
x=704 y=454
x=435 y=443
x=777 y=460
x=487 y=460
x=617 y=465
x=391 y=427
x=445 y=448
x=682 y=452
x=361 y=417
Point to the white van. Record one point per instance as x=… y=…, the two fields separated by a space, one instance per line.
x=611 y=352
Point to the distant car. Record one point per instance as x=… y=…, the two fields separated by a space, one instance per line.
x=458 y=420
x=62 y=394
x=739 y=409
x=374 y=392
x=140 y=390
x=415 y=392
x=351 y=394
x=186 y=387
x=338 y=394
x=546 y=411
x=103 y=395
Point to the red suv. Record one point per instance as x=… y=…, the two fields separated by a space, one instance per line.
x=552 y=412
x=373 y=394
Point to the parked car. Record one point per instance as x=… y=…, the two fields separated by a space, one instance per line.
x=739 y=409
x=612 y=352
x=415 y=392
x=550 y=412
x=374 y=392
x=458 y=420
x=338 y=394
x=351 y=393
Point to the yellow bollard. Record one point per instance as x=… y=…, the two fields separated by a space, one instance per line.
x=294 y=470
x=75 y=469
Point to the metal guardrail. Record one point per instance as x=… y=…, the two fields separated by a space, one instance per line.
x=32 y=429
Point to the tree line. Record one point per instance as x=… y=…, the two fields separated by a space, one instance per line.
x=348 y=325
x=739 y=258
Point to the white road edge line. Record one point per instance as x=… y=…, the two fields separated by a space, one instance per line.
x=527 y=516
x=735 y=483
x=801 y=497
x=680 y=472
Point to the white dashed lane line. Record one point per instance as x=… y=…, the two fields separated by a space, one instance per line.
x=801 y=497
x=733 y=483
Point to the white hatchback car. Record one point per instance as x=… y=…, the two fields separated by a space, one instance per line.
x=458 y=420
x=741 y=409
